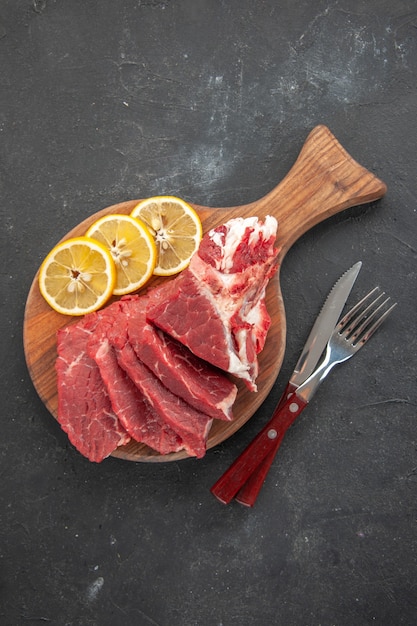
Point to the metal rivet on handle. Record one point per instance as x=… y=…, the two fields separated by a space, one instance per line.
x=293 y=407
x=272 y=433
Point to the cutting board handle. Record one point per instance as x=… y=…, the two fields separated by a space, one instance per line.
x=331 y=182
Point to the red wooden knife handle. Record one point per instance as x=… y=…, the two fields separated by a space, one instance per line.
x=248 y=494
x=243 y=467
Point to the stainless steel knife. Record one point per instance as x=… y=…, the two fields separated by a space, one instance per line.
x=322 y=328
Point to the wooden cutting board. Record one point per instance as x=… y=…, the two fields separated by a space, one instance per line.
x=323 y=181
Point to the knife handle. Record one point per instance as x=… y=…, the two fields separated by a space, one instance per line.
x=248 y=494
x=228 y=485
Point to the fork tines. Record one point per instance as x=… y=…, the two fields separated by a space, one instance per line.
x=360 y=323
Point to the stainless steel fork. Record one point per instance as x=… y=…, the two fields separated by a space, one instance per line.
x=349 y=335
x=244 y=478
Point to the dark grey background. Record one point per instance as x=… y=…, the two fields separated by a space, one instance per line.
x=104 y=101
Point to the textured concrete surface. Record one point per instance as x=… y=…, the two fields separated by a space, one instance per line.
x=106 y=101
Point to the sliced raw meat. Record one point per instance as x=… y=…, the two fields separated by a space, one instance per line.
x=198 y=383
x=216 y=307
x=188 y=377
x=147 y=409
x=191 y=425
x=137 y=416
x=84 y=408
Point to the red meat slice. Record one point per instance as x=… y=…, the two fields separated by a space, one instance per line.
x=191 y=425
x=110 y=342
x=137 y=416
x=202 y=386
x=85 y=412
x=134 y=412
x=217 y=306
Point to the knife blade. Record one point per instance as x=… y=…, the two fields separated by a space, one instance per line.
x=324 y=325
x=321 y=330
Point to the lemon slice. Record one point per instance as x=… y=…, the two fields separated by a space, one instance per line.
x=131 y=246
x=176 y=229
x=77 y=276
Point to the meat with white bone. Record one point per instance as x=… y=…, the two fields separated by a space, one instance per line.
x=216 y=307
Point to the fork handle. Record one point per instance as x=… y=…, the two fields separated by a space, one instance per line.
x=228 y=485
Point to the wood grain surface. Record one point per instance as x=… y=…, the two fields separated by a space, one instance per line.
x=324 y=180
